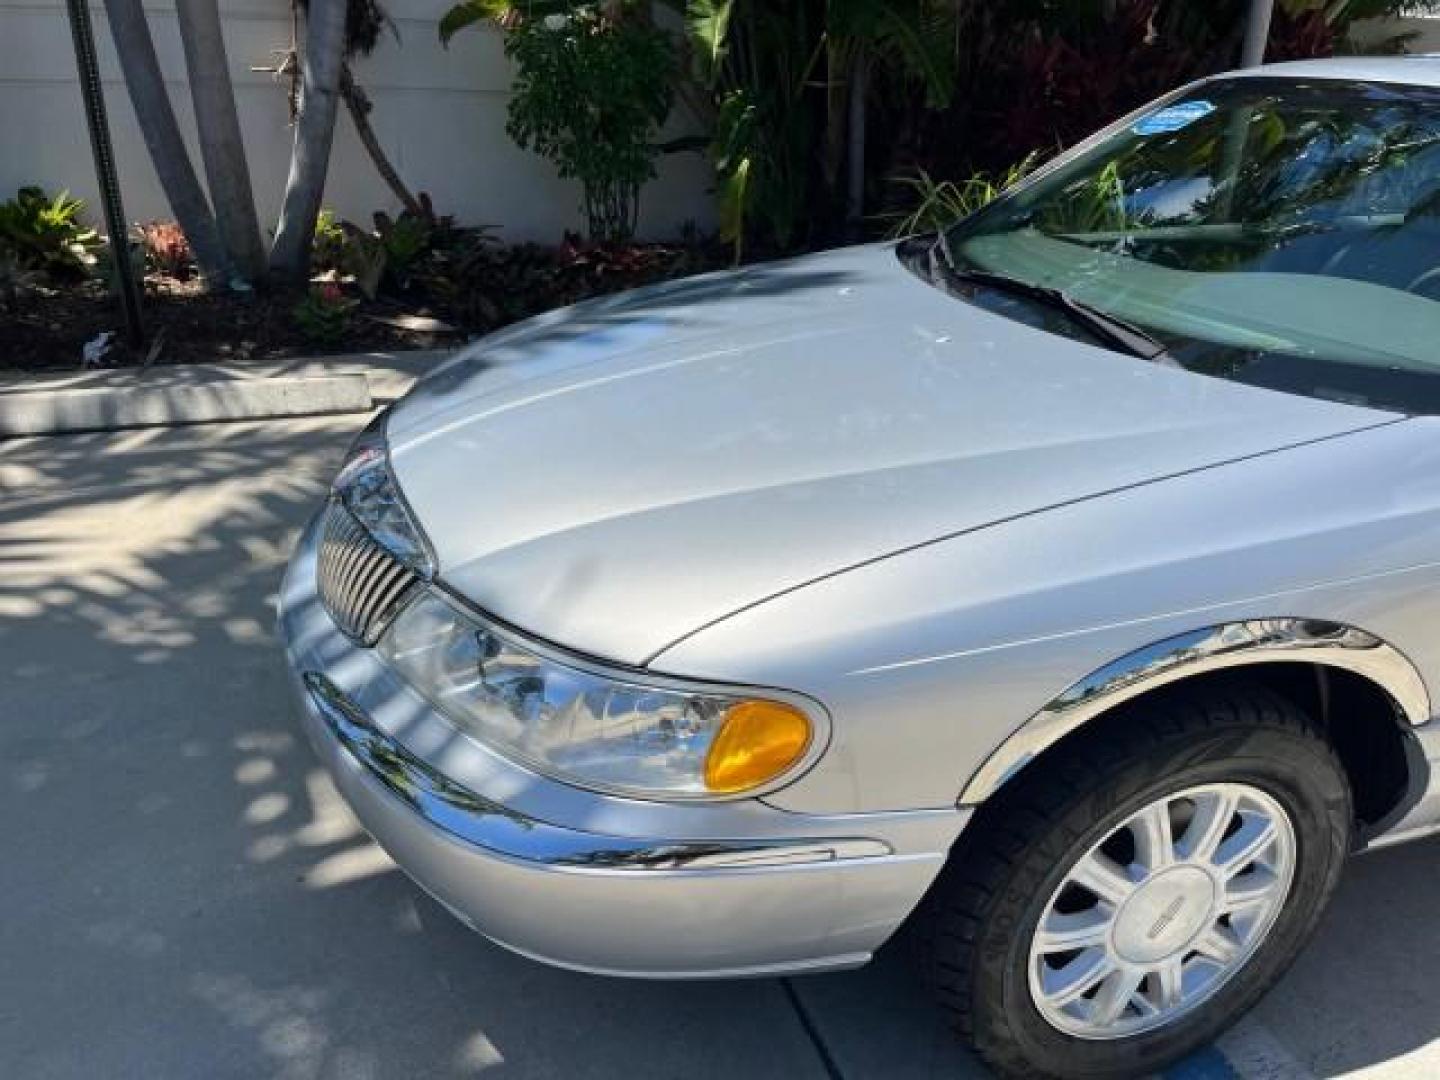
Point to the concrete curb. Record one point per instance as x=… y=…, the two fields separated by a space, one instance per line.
x=110 y=400
x=111 y=408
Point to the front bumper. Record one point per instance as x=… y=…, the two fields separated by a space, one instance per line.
x=589 y=881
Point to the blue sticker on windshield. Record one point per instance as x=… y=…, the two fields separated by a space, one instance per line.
x=1172 y=118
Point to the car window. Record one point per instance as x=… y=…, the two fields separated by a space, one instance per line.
x=1283 y=232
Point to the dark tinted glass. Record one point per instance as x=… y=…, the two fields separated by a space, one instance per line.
x=1279 y=232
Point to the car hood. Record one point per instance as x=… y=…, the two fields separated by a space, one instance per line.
x=615 y=476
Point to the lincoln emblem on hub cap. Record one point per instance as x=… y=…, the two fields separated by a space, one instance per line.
x=1155 y=917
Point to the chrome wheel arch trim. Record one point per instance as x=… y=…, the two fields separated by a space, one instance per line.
x=1213 y=648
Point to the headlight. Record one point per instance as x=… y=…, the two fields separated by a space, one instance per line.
x=368 y=490
x=597 y=731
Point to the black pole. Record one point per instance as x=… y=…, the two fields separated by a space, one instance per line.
x=94 y=95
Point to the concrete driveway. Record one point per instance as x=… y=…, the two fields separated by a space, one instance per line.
x=182 y=894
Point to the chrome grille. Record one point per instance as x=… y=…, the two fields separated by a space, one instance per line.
x=361 y=584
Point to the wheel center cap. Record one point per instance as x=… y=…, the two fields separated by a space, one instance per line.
x=1164 y=914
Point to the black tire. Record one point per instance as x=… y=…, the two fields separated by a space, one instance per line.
x=976 y=924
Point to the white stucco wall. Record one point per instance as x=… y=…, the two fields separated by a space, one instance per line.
x=1425 y=28
x=440 y=114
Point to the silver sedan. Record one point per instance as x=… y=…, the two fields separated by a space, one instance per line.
x=1062 y=586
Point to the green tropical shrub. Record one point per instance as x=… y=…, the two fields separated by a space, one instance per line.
x=928 y=205
x=46 y=235
x=593 y=84
x=327 y=250
x=391 y=256
x=937 y=91
x=325 y=314
x=590 y=94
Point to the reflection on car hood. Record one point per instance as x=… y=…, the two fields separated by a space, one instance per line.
x=618 y=475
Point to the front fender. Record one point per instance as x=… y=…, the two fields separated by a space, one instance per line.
x=1213 y=648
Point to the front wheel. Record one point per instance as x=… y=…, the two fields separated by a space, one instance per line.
x=1132 y=897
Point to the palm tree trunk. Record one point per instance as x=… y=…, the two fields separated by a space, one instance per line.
x=146 y=87
x=221 y=145
x=359 y=107
x=1257 y=33
x=321 y=62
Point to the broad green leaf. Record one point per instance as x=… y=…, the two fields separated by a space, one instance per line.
x=468 y=13
x=709 y=25
x=734 y=202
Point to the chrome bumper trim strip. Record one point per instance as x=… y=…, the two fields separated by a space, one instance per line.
x=498 y=829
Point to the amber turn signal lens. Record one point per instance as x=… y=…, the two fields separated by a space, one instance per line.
x=757 y=742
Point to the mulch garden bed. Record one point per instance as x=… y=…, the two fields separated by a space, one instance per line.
x=47 y=327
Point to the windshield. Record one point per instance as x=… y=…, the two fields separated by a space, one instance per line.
x=1274 y=231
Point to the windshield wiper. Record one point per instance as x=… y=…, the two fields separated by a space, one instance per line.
x=1115 y=332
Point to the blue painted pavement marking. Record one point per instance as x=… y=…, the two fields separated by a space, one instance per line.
x=1248 y=1051
x=1207 y=1064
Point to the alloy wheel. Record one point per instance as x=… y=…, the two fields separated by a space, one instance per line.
x=1154 y=919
